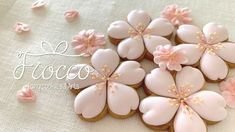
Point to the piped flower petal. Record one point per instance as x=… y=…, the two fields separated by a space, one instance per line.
x=26 y=94
x=38 y=4
x=21 y=27
x=71 y=15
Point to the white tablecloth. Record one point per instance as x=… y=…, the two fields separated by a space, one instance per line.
x=53 y=110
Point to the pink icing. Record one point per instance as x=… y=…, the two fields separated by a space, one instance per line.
x=181 y=100
x=169 y=57
x=138 y=32
x=228 y=91
x=107 y=85
x=38 y=4
x=26 y=94
x=71 y=15
x=207 y=46
x=176 y=15
x=87 y=42
x=21 y=27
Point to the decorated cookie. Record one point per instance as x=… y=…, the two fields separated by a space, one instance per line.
x=208 y=47
x=177 y=15
x=106 y=86
x=178 y=103
x=86 y=42
x=169 y=57
x=138 y=36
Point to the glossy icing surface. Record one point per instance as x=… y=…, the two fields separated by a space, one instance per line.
x=107 y=85
x=181 y=101
x=209 y=48
x=139 y=32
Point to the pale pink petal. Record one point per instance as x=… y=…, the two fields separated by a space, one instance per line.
x=105 y=61
x=86 y=42
x=157 y=110
x=82 y=75
x=172 y=56
x=209 y=105
x=188 y=33
x=38 y=4
x=131 y=48
x=160 y=82
x=187 y=120
x=153 y=41
x=215 y=33
x=26 y=94
x=213 y=66
x=176 y=15
x=119 y=30
x=71 y=15
x=127 y=70
x=118 y=94
x=91 y=101
x=139 y=19
x=21 y=27
x=192 y=52
x=230 y=98
x=226 y=51
x=189 y=79
x=228 y=91
x=160 y=27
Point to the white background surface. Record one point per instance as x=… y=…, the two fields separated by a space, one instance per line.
x=53 y=110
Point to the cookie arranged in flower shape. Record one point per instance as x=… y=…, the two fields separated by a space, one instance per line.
x=179 y=102
x=209 y=47
x=138 y=36
x=108 y=88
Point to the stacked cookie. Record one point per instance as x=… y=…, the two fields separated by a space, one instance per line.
x=185 y=56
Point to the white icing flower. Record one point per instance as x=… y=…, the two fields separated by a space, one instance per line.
x=139 y=34
x=107 y=86
x=180 y=101
x=209 y=47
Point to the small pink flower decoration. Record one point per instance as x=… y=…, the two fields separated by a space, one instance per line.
x=26 y=94
x=71 y=15
x=169 y=57
x=87 y=42
x=20 y=27
x=228 y=91
x=177 y=15
x=38 y=4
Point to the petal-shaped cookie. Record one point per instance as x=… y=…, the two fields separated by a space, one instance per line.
x=131 y=48
x=192 y=52
x=119 y=30
x=154 y=110
x=209 y=105
x=130 y=73
x=160 y=27
x=213 y=66
x=80 y=76
x=152 y=42
x=227 y=52
x=121 y=98
x=159 y=82
x=138 y=18
x=91 y=101
x=190 y=78
x=187 y=120
x=188 y=33
x=105 y=61
x=216 y=32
